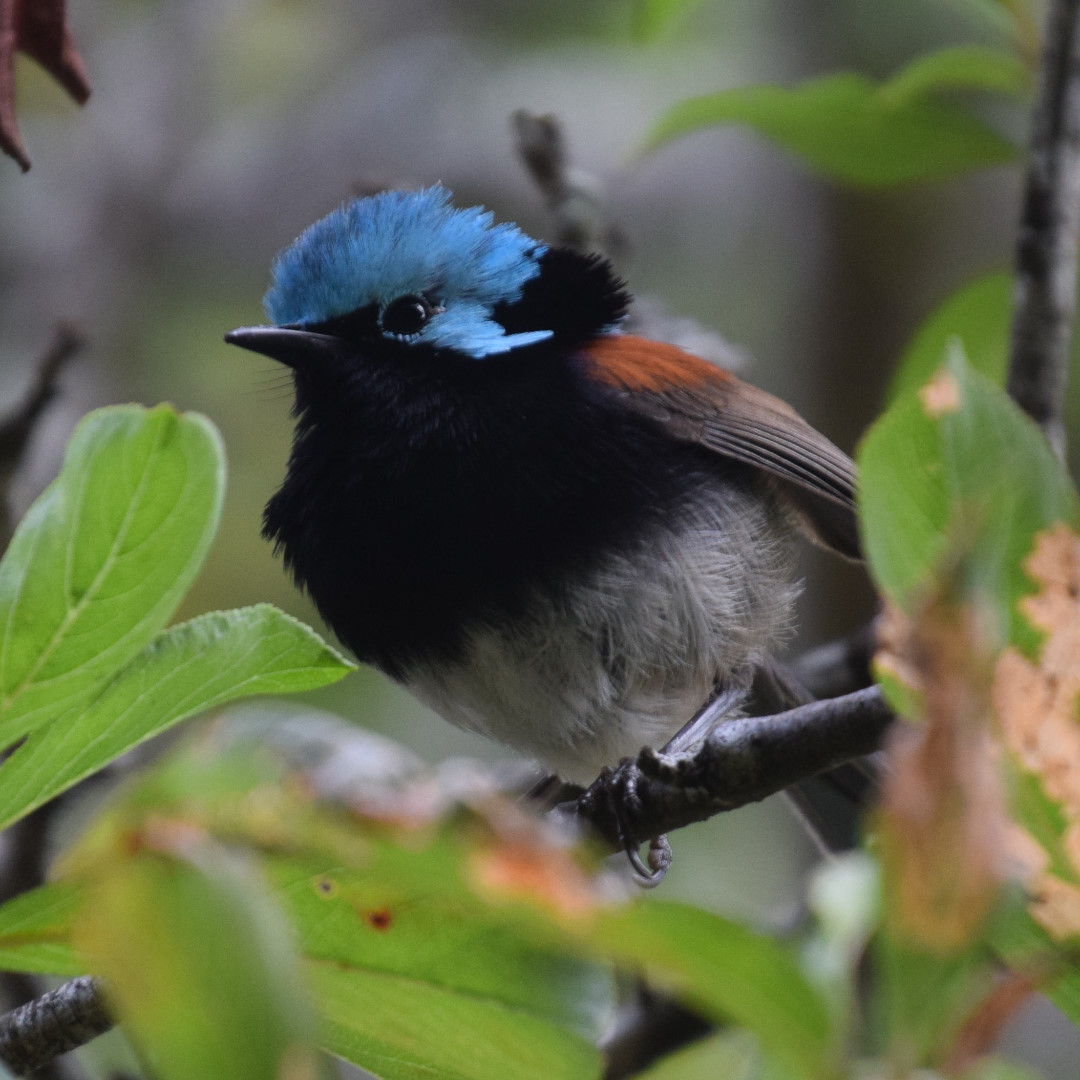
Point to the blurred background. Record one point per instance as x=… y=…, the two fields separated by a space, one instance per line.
x=218 y=129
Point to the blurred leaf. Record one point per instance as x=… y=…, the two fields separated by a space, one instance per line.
x=1007 y=487
x=923 y=998
x=400 y=1029
x=999 y=1069
x=395 y=912
x=984 y=627
x=192 y=667
x=35 y=929
x=845 y=899
x=728 y=972
x=651 y=18
x=407 y=913
x=103 y=557
x=983 y=1027
x=903 y=499
x=959 y=464
x=1017 y=19
x=846 y=127
x=942 y=820
x=39 y=29
x=965 y=67
x=979 y=316
x=1026 y=946
x=730 y=1055
x=197 y=965
x=1044 y=819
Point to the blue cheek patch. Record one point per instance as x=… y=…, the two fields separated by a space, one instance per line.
x=467 y=327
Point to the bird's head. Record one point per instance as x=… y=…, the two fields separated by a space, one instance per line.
x=404 y=274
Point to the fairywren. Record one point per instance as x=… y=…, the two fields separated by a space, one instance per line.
x=559 y=535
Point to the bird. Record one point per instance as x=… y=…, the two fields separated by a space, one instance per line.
x=555 y=533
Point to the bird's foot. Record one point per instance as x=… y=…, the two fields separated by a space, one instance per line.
x=727 y=700
x=619 y=791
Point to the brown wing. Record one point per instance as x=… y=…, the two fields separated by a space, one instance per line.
x=698 y=402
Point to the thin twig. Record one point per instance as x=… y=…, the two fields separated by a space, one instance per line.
x=1045 y=296
x=17 y=427
x=23 y=868
x=574 y=198
x=742 y=761
x=837 y=667
x=61 y=1020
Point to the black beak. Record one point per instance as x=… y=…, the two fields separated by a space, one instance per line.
x=288 y=345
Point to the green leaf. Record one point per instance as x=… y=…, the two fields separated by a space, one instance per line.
x=846 y=128
x=1027 y=947
x=965 y=67
x=35 y=929
x=903 y=499
x=652 y=18
x=730 y=973
x=924 y=998
x=996 y=1068
x=1046 y=821
x=730 y=1055
x=185 y=670
x=973 y=475
x=407 y=913
x=198 y=966
x=103 y=557
x=1006 y=487
x=400 y=1029
x=388 y=908
x=979 y=316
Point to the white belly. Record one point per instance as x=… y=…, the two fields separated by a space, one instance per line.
x=627 y=655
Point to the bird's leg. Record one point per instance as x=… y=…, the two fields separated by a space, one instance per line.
x=617 y=787
x=728 y=698
x=620 y=790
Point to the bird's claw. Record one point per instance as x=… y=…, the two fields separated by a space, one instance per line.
x=660 y=856
x=620 y=789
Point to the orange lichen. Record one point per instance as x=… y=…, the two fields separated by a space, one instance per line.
x=1036 y=705
x=941 y=395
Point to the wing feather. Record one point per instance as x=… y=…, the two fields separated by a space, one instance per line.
x=700 y=403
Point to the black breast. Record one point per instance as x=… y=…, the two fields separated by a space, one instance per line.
x=424 y=497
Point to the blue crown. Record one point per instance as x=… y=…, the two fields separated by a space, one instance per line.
x=396 y=243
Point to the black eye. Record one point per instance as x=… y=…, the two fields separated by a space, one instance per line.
x=406 y=316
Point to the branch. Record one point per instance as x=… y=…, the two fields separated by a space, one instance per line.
x=574 y=198
x=741 y=761
x=837 y=667
x=17 y=426
x=1045 y=296
x=61 y=1020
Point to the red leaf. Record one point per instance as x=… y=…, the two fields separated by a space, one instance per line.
x=39 y=29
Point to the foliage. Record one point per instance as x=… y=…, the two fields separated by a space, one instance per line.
x=247 y=898
x=39 y=29
x=856 y=131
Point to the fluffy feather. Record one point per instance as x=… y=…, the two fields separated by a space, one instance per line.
x=370 y=252
x=624 y=655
